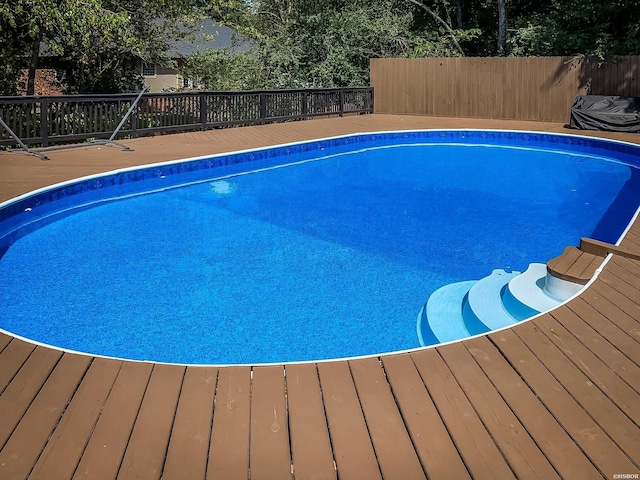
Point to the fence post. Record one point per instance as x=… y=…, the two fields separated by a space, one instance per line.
x=341 y=101
x=370 y=99
x=44 y=121
x=203 y=110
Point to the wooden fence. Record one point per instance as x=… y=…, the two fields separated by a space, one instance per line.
x=69 y=118
x=534 y=88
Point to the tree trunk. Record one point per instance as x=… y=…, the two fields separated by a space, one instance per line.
x=33 y=66
x=441 y=22
x=459 y=14
x=502 y=27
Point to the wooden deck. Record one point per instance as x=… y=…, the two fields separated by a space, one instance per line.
x=555 y=397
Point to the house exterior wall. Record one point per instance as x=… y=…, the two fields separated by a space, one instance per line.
x=163 y=80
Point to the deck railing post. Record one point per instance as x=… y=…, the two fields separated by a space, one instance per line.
x=203 y=110
x=263 y=107
x=341 y=102
x=303 y=109
x=134 y=121
x=44 y=121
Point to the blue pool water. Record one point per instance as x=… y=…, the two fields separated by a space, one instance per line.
x=332 y=256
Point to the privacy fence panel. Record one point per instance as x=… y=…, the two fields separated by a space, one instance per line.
x=61 y=119
x=530 y=88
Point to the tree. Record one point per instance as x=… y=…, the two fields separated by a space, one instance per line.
x=327 y=43
x=444 y=24
x=502 y=27
x=37 y=28
x=297 y=43
x=226 y=70
x=96 y=43
x=593 y=28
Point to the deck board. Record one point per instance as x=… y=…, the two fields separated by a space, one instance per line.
x=587 y=434
x=563 y=453
x=24 y=386
x=106 y=446
x=574 y=265
x=632 y=240
x=612 y=311
x=622 y=340
x=590 y=365
x=395 y=452
x=12 y=358
x=605 y=413
x=4 y=341
x=189 y=443
x=269 y=454
x=558 y=396
x=521 y=452
x=30 y=437
x=62 y=453
x=352 y=447
x=620 y=298
x=311 y=451
x=147 y=447
x=619 y=363
x=229 y=447
x=566 y=259
x=480 y=454
x=622 y=274
x=437 y=452
x=585 y=265
x=633 y=243
x=626 y=270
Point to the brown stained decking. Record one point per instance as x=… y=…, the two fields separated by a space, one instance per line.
x=555 y=397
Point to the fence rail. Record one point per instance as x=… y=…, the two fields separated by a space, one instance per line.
x=71 y=118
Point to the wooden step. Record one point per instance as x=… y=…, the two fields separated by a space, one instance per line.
x=574 y=265
x=578 y=265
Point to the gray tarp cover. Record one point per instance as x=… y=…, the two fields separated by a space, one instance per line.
x=599 y=112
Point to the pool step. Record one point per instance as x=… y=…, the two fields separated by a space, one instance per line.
x=444 y=312
x=485 y=301
x=526 y=295
x=464 y=309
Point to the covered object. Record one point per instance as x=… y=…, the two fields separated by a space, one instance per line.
x=611 y=113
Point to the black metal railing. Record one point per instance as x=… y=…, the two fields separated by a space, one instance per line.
x=72 y=118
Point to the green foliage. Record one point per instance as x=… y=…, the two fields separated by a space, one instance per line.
x=76 y=31
x=226 y=71
x=324 y=43
x=95 y=43
x=592 y=28
x=436 y=43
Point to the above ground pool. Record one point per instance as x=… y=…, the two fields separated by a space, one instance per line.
x=318 y=250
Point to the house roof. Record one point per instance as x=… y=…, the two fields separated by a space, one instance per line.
x=210 y=36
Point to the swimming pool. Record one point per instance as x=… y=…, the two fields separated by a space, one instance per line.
x=281 y=263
